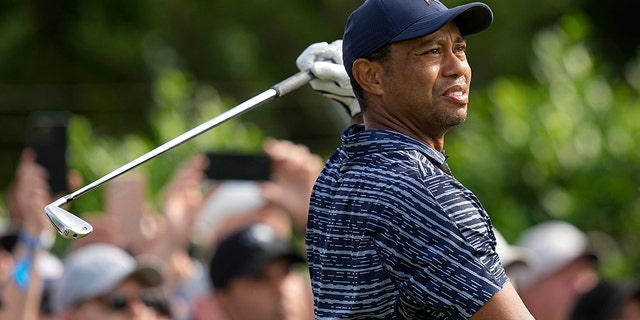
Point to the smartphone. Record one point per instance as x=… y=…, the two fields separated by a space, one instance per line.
x=47 y=136
x=238 y=166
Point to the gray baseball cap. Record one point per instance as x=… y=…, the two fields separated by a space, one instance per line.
x=94 y=269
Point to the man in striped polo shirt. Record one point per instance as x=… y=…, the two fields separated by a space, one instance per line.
x=391 y=233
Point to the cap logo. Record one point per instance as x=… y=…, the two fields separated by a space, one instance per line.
x=261 y=233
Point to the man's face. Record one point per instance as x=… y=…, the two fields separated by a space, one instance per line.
x=275 y=293
x=426 y=82
x=123 y=302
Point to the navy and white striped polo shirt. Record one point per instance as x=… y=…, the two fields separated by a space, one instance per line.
x=391 y=236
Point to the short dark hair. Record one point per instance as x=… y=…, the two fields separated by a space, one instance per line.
x=381 y=54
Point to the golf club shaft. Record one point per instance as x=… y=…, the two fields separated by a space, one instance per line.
x=289 y=84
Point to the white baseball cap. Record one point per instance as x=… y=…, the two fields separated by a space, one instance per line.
x=231 y=198
x=552 y=244
x=509 y=254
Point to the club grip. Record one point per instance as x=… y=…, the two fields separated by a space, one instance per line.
x=293 y=82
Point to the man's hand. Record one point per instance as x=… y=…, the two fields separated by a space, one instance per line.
x=182 y=199
x=295 y=170
x=331 y=80
x=29 y=195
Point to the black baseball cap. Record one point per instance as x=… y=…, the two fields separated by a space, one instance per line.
x=377 y=23
x=246 y=251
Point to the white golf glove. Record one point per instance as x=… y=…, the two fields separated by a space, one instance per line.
x=331 y=79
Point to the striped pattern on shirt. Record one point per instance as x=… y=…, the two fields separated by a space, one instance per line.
x=390 y=236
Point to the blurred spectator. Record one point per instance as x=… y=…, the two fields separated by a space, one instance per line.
x=192 y=221
x=254 y=276
x=630 y=309
x=20 y=282
x=233 y=205
x=514 y=259
x=27 y=266
x=561 y=268
x=281 y=203
x=103 y=281
x=606 y=301
x=129 y=223
x=284 y=200
x=180 y=201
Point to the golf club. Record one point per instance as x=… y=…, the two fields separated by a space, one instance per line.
x=71 y=226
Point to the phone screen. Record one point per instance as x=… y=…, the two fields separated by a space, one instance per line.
x=238 y=166
x=47 y=136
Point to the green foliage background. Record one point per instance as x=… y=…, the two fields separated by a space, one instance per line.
x=553 y=129
x=561 y=146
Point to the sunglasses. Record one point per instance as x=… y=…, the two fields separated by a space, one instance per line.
x=118 y=301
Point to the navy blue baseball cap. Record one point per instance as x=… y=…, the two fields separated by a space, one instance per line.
x=377 y=23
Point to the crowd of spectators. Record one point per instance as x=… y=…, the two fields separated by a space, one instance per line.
x=235 y=250
x=142 y=264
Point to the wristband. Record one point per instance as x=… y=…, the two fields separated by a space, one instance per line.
x=21 y=273
x=22 y=270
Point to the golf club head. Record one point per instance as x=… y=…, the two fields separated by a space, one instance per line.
x=67 y=224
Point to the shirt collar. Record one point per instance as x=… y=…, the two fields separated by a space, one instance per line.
x=358 y=142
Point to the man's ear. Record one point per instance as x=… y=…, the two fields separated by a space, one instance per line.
x=367 y=74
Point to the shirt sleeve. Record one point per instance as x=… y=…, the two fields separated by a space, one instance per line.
x=437 y=248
